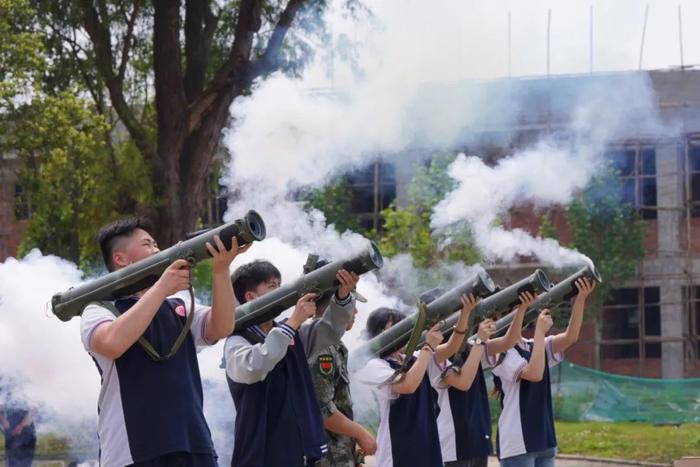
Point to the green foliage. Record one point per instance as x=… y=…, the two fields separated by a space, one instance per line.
x=334 y=202
x=68 y=173
x=607 y=231
x=21 y=59
x=407 y=228
x=547 y=228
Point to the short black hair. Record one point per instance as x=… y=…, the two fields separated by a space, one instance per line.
x=378 y=319
x=247 y=277
x=108 y=235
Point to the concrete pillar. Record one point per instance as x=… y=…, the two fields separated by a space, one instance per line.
x=672 y=362
x=669 y=183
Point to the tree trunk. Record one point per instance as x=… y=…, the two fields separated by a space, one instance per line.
x=170 y=107
x=190 y=114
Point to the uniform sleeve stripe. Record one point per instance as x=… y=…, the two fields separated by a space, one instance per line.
x=287 y=329
x=344 y=301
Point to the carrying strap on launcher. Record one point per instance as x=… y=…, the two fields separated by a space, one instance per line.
x=147 y=346
x=411 y=345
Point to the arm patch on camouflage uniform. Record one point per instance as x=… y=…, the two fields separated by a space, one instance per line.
x=326 y=364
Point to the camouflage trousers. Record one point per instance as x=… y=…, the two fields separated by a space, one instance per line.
x=341 y=453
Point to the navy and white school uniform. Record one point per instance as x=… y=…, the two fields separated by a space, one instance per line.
x=147 y=409
x=278 y=419
x=526 y=424
x=408 y=433
x=464 y=421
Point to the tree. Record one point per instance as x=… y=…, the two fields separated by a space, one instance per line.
x=608 y=231
x=407 y=228
x=334 y=201
x=170 y=70
x=66 y=170
x=21 y=60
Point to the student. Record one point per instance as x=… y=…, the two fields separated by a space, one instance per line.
x=408 y=434
x=526 y=434
x=329 y=370
x=464 y=422
x=278 y=419
x=149 y=410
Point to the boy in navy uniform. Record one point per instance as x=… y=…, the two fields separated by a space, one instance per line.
x=278 y=419
x=150 y=410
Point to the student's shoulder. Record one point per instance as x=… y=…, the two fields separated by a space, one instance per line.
x=237 y=339
x=97 y=310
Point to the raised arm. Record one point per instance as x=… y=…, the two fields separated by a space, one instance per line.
x=514 y=333
x=222 y=317
x=318 y=334
x=534 y=370
x=451 y=347
x=564 y=340
x=464 y=379
x=113 y=338
x=248 y=363
x=415 y=374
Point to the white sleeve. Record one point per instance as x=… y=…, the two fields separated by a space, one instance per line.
x=92 y=317
x=376 y=373
x=552 y=358
x=247 y=363
x=435 y=373
x=511 y=366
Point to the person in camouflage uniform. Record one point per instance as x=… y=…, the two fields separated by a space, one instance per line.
x=329 y=371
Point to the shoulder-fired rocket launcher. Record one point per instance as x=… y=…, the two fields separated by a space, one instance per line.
x=561 y=292
x=504 y=299
x=319 y=280
x=144 y=273
x=396 y=337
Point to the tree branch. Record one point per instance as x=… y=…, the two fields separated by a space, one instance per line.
x=238 y=70
x=128 y=40
x=269 y=61
x=235 y=69
x=200 y=25
x=104 y=60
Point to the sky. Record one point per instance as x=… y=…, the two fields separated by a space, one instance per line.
x=476 y=32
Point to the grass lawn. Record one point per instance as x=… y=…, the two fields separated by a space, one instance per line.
x=628 y=440
x=637 y=441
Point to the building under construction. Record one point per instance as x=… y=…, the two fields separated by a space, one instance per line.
x=651 y=326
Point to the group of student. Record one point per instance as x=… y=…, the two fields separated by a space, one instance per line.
x=289 y=379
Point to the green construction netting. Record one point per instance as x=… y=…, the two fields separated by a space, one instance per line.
x=584 y=394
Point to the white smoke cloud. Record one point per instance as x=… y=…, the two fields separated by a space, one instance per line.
x=416 y=91
x=42 y=358
x=552 y=171
x=285 y=137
